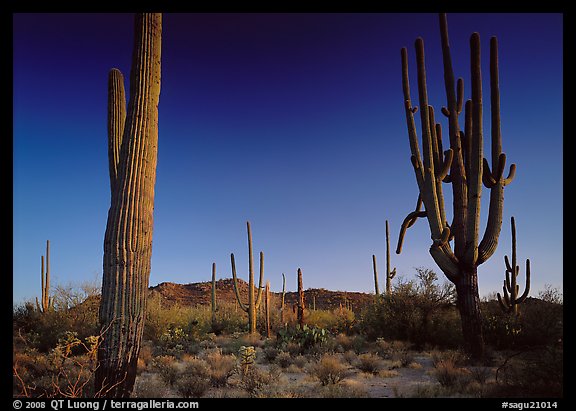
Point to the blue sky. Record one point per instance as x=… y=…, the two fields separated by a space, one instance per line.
x=294 y=122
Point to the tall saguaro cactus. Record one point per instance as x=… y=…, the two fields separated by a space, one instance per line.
x=253 y=303
x=375 y=269
x=133 y=144
x=267 y=308
x=282 y=299
x=300 y=302
x=213 y=295
x=511 y=289
x=464 y=167
x=389 y=274
x=47 y=302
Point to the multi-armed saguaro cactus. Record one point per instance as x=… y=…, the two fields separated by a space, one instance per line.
x=253 y=303
x=213 y=295
x=300 y=301
x=133 y=143
x=47 y=302
x=282 y=299
x=511 y=289
x=464 y=167
x=267 y=308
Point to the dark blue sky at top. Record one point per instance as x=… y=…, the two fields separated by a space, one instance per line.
x=292 y=121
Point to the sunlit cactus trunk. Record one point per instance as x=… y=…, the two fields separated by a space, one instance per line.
x=46 y=302
x=464 y=167
x=300 y=302
x=128 y=237
x=253 y=300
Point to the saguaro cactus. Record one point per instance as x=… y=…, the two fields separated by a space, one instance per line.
x=282 y=298
x=213 y=295
x=389 y=274
x=267 y=308
x=511 y=289
x=253 y=303
x=464 y=167
x=128 y=236
x=375 y=269
x=300 y=302
x=47 y=302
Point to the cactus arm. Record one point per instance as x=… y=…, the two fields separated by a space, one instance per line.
x=527 y=286
x=489 y=241
x=116 y=120
x=457 y=172
x=260 y=287
x=235 y=282
x=474 y=179
x=429 y=194
x=408 y=221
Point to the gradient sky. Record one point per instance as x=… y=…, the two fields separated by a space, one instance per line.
x=294 y=122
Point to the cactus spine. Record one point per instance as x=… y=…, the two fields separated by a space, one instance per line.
x=128 y=236
x=300 y=302
x=282 y=299
x=511 y=289
x=267 y=308
x=253 y=303
x=464 y=167
x=389 y=274
x=213 y=295
x=47 y=302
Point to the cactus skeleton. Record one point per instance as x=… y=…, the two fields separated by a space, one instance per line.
x=253 y=304
x=510 y=288
x=464 y=167
x=46 y=302
x=133 y=144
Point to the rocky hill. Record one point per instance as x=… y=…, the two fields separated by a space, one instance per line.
x=199 y=294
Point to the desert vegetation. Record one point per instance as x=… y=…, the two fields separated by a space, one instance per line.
x=423 y=337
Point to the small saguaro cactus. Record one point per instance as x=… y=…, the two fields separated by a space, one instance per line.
x=282 y=299
x=511 y=289
x=267 y=308
x=47 y=302
x=389 y=274
x=253 y=303
x=375 y=268
x=213 y=295
x=300 y=302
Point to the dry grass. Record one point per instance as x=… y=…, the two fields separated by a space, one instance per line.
x=194 y=380
x=369 y=363
x=221 y=367
x=329 y=370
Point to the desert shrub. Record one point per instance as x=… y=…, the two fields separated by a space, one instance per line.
x=255 y=380
x=302 y=339
x=270 y=354
x=369 y=363
x=335 y=321
x=480 y=374
x=284 y=359
x=343 y=390
x=350 y=356
x=300 y=361
x=455 y=357
x=166 y=366
x=535 y=373
x=148 y=387
x=420 y=311
x=221 y=367
x=329 y=369
x=447 y=373
x=194 y=380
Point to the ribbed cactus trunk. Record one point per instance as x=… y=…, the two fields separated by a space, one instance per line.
x=253 y=301
x=465 y=168
x=375 y=269
x=267 y=308
x=389 y=274
x=128 y=237
x=46 y=302
x=282 y=298
x=300 y=313
x=213 y=296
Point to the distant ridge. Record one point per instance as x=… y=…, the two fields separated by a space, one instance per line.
x=195 y=294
